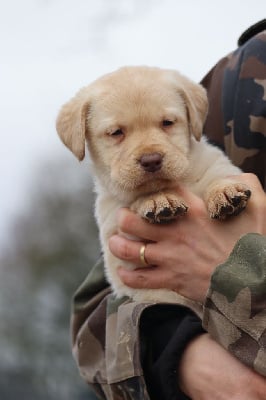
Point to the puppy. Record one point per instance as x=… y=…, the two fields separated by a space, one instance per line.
x=143 y=128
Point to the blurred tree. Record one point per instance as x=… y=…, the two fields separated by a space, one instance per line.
x=55 y=242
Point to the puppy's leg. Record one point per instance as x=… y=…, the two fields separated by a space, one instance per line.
x=159 y=207
x=226 y=198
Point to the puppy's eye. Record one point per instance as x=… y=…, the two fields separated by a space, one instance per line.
x=167 y=122
x=117 y=132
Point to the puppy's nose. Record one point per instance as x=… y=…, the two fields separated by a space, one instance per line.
x=151 y=162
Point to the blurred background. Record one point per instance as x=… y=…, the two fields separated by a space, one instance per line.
x=48 y=239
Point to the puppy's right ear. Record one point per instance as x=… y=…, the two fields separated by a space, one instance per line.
x=71 y=124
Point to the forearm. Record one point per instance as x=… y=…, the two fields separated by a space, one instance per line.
x=207 y=372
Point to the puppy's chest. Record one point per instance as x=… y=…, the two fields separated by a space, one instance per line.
x=106 y=208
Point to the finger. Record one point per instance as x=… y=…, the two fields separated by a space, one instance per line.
x=132 y=224
x=250 y=179
x=129 y=250
x=256 y=204
x=143 y=278
x=196 y=205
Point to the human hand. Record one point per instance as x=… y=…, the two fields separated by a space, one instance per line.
x=207 y=371
x=182 y=255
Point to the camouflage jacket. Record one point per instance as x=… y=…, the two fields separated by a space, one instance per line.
x=106 y=332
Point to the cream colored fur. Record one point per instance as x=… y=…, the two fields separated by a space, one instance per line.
x=129 y=116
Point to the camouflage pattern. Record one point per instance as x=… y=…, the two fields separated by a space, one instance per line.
x=105 y=338
x=105 y=331
x=237 y=106
x=235 y=308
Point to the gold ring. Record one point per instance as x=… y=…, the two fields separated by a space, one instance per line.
x=142 y=255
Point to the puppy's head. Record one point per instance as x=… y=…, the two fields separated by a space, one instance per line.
x=138 y=123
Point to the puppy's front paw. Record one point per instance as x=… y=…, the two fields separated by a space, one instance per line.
x=227 y=200
x=160 y=208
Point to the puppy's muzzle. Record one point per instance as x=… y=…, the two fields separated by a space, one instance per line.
x=151 y=162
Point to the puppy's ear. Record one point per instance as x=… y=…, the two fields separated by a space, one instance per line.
x=196 y=101
x=71 y=124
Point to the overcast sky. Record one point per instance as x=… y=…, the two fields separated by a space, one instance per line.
x=51 y=48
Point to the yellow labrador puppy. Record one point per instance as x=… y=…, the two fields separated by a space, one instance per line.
x=143 y=128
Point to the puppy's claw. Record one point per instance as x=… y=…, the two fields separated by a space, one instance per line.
x=165 y=212
x=181 y=210
x=162 y=216
x=223 y=212
x=228 y=201
x=161 y=208
x=150 y=216
x=236 y=200
x=247 y=193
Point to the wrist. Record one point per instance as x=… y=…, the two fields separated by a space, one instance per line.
x=258 y=385
x=188 y=377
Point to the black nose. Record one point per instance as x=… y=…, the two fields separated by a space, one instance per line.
x=151 y=162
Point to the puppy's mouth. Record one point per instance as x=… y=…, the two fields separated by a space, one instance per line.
x=153 y=179
x=144 y=182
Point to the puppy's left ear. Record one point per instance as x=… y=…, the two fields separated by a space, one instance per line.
x=196 y=101
x=71 y=123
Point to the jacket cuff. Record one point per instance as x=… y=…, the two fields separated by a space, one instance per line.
x=163 y=343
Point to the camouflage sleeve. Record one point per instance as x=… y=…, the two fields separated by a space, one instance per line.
x=105 y=340
x=128 y=350
x=236 y=89
x=235 y=307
